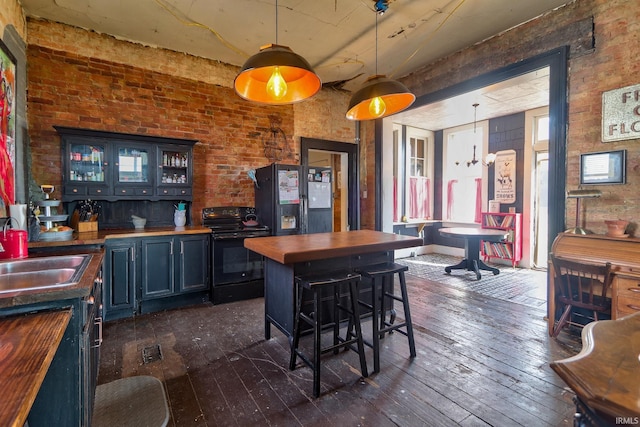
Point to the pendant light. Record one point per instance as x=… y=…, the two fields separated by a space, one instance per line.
x=379 y=96
x=276 y=75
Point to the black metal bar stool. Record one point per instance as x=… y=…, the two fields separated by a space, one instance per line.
x=382 y=278
x=315 y=283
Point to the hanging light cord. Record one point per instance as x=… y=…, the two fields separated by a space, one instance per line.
x=276 y=21
x=376 y=43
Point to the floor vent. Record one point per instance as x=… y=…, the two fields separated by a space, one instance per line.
x=151 y=354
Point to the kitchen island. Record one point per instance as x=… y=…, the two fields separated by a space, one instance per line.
x=288 y=256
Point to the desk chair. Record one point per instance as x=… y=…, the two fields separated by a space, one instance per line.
x=579 y=285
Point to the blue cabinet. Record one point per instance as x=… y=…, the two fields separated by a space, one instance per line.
x=146 y=274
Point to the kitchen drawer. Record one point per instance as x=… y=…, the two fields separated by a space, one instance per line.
x=628 y=286
x=98 y=191
x=143 y=191
x=174 y=191
x=122 y=191
x=183 y=191
x=75 y=191
x=371 y=259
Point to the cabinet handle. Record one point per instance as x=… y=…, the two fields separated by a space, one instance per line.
x=133 y=255
x=75 y=190
x=98 y=191
x=634 y=307
x=637 y=290
x=171 y=247
x=98 y=341
x=181 y=247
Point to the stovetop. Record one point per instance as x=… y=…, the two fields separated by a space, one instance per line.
x=233 y=219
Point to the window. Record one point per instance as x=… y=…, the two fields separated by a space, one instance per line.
x=464 y=191
x=412 y=174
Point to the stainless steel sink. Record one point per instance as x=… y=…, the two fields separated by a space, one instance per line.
x=42 y=273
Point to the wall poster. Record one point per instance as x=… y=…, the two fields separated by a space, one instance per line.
x=505 y=176
x=7 y=127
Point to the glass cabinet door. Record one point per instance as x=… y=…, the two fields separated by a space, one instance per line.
x=86 y=163
x=132 y=165
x=174 y=166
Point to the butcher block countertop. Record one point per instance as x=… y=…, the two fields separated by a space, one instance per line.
x=27 y=346
x=309 y=247
x=99 y=237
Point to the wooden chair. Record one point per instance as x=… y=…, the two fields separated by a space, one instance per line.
x=579 y=285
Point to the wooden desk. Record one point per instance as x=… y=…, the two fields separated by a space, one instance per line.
x=472 y=237
x=622 y=253
x=287 y=256
x=605 y=375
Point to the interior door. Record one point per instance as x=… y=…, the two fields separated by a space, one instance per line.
x=348 y=176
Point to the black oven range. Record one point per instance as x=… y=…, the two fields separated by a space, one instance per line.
x=236 y=271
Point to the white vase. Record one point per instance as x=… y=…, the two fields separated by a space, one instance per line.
x=180 y=218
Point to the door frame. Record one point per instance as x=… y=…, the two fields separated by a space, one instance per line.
x=353 y=183
x=557 y=61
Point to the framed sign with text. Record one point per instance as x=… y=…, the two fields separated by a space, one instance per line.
x=505 y=176
x=621 y=114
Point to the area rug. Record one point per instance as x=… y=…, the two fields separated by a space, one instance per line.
x=517 y=285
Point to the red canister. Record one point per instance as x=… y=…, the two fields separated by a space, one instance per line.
x=14 y=244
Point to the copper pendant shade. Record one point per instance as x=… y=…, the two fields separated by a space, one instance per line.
x=394 y=95
x=379 y=96
x=276 y=75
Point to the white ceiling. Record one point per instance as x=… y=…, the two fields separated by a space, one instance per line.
x=337 y=37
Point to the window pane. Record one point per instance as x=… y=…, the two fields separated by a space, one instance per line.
x=460 y=188
x=542 y=129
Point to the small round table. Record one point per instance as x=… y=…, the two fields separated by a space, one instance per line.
x=472 y=237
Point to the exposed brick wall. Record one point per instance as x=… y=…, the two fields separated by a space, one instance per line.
x=68 y=90
x=82 y=79
x=611 y=64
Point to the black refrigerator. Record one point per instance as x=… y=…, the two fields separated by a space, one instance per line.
x=294 y=199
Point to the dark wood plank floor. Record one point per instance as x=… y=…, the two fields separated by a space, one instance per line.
x=481 y=361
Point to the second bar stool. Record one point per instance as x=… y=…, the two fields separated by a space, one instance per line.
x=315 y=283
x=382 y=279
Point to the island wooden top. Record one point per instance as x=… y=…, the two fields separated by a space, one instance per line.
x=308 y=247
x=605 y=373
x=27 y=346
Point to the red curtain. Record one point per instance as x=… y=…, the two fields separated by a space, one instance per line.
x=450 y=197
x=396 y=208
x=419 y=198
x=478 y=216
